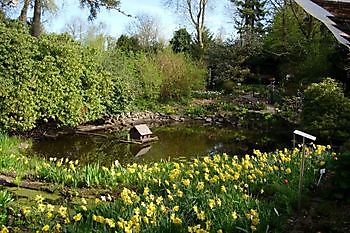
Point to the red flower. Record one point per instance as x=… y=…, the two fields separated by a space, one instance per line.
x=286 y=181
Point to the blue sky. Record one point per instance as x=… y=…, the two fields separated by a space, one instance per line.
x=116 y=23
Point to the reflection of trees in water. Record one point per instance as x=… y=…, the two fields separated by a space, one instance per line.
x=185 y=140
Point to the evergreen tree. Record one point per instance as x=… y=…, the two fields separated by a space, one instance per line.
x=251 y=16
x=181 y=41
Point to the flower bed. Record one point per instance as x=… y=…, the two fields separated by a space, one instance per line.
x=210 y=194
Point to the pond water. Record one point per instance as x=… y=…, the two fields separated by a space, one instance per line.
x=176 y=141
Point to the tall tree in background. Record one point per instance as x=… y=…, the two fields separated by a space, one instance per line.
x=23 y=16
x=195 y=10
x=40 y=5
x=301 y=46
x=251 y=14
x=147 y=30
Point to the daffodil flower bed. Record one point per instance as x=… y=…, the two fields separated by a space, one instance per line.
x=211 y=194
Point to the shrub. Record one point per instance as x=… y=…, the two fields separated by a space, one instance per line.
x=340 y=179
x=325 y=109
x=52 y=78
x=121 y=65
x=181 y=75
x=290 y=109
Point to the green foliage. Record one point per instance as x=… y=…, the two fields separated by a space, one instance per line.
x=56 y=80
x=290 y=108
x=300 y=45
x=326 y=109
x=228 y=63
x=126 y=43
x=251 y=15
x=121 y=65
x=147 y=77
x=53 y=79
x=181 y=41
x=18 y=50
x=181 y=75
x=5 y=199
x=340 y=167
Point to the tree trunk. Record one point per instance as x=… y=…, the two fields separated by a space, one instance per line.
x=200 y=37
x=24 y=11
x=36 y=25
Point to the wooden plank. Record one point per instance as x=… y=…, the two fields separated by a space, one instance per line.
x=305 y=135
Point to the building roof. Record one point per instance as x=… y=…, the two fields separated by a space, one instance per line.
x=335 y=14
x=143 y=129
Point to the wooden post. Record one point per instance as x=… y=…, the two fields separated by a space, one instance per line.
x=293 y=141
x=302 y=162
x=301 y=177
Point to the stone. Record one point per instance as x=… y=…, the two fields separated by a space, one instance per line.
x=175 y=117
x=208 y=119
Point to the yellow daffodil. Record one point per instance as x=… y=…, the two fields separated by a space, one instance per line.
x=175 y=220
x=223 y=189
x=45 y=228
x=176 y=208
x=200 y=186
x=58 y=227
x=201 y=215
x=77 y=217
x=4 y=229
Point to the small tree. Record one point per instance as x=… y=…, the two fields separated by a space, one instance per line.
x=181 y=41
x=128 y=43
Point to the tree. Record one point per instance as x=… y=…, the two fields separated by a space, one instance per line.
x=23 y=16
x=195 y=10
x=181 y=41
x=36 y=24
x=93 y=34
x=251 y=14
x=94 y=6
x=300 y=45
x=228 y=64
x=76 y=27
x=147 y=31
x=39 y=5
x=128 y=43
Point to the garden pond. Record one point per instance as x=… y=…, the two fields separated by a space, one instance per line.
x=176 y=142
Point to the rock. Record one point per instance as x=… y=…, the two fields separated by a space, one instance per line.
x=208 y=119
x=23 y=146
x=175 y=117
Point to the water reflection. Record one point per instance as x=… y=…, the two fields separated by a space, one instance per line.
x=176 y=141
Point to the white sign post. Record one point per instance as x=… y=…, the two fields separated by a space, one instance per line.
x=301 y=177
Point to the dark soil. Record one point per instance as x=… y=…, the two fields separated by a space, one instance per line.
x=322 y=213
